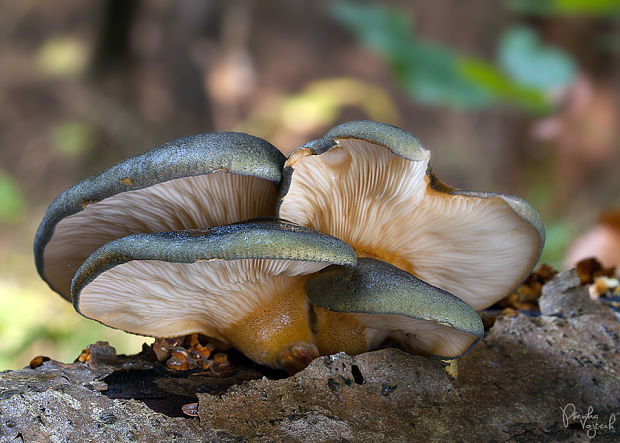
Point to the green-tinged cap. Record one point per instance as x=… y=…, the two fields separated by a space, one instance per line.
x=260 y=239
x=387 y=296
x=397 y=140
x=187 y=188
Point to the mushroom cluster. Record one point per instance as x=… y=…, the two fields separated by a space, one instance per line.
x=350 y=243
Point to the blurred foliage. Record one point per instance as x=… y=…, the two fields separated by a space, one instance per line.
x=320 y=104
x=609 y=43
x=560 y=234
x=12 y=204
x=553 y=7
x=35 y=321
x=435 y=75
x=62 y=57
x=531 y=64
x=72 y=138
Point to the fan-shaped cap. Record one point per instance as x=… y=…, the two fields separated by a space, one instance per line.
x=390 y=302
x=241 y=283
x=370 y=184
x=194 y=182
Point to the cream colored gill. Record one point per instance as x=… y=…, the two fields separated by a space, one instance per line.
x=356 y=191
x=383 y=206
x=162 y=299
x=475 y=248
x=201 y=201
x=416 y=335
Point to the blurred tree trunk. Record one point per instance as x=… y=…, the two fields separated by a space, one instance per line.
x=112 y=50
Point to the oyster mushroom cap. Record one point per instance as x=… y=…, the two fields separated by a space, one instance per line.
x=242 y=284
x=370 y=184
x=391 y=303
x=194 y=182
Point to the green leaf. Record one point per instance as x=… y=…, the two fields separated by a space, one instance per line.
x=566 y=7
x=12 y=205
x=369 y=23
x=530 y=63
x=432 y=74
x=502 y=87
x=429 y=73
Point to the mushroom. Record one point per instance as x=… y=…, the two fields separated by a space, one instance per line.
x=194 y=182
x=370 y=185
x=358 y=307
x=243 y=284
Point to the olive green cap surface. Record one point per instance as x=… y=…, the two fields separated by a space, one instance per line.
x=377 y=287
x=236 y=153
x=260 y=239
x=397 y=140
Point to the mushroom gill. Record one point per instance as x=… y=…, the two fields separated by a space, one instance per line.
x=257 y=305
x=194 y=182
x=384 y=201
x=243 y=284
x=195 y=202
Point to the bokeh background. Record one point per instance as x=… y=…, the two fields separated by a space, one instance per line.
x=513 y=96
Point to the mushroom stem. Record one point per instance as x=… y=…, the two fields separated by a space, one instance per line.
x=339 y=332
x=278 y=334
